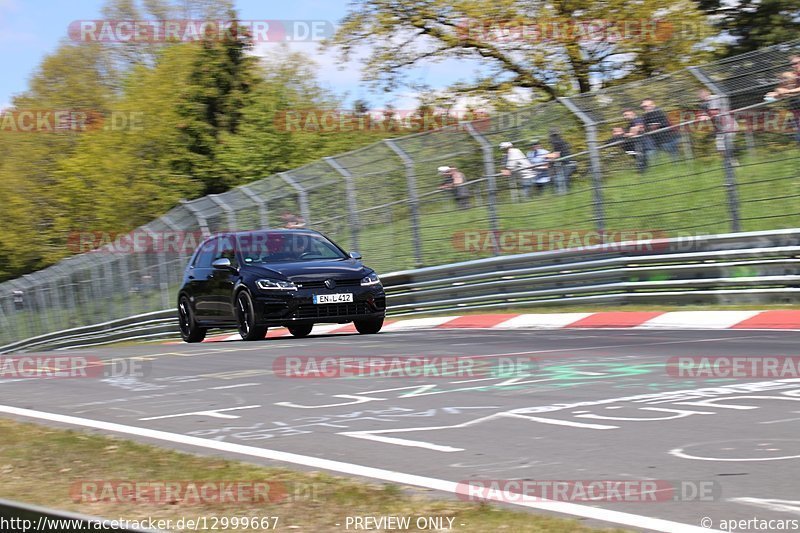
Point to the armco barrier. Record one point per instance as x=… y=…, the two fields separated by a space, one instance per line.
x=740 y=268
x=23 y=517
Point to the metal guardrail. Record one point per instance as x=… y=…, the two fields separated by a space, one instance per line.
x=17 y=516
x=149 y=325
x=753 y=268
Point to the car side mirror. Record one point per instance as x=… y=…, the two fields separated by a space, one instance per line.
x=355 y=255
x=223 y=263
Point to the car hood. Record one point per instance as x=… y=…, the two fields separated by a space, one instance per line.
x=310 y=270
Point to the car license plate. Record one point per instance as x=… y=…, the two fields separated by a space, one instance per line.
x=340 y=298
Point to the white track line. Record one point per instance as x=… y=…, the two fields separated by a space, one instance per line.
x=585 y=511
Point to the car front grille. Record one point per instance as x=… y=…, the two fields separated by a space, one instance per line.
x=320 y=284
x=332 y=310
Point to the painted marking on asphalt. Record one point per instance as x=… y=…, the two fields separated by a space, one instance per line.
x=574 y=509
x=786 y=506
x=213 y=413
x=557 y=422
x=235 y=386
x=401 y=442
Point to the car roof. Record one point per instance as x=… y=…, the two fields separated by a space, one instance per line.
x=299 y=231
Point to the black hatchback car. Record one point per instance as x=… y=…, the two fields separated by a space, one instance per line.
x=260 y=279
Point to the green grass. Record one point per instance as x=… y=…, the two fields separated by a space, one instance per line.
x=42 y=466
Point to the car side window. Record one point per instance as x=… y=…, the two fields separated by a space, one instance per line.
x=206 y=254
x=226 y=249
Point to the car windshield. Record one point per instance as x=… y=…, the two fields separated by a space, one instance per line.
x=275 y=247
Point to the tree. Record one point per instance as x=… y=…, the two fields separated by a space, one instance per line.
x=535 y=45
x=73 y=78
x=754 y=24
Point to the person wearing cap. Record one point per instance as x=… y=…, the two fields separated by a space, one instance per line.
x=539 y=157
x=455 y=181
x=517 y=163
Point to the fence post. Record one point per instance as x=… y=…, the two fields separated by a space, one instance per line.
x=229 y=213
x=201 y=220
x=489 y=169
x=163 y=279
x=166 y=219
x=352 y=204
x=260 y=202
x=731 y=188
x=413 y=199
x=594 y=160
x=301 y=193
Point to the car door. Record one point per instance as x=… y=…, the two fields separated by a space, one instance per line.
x=221 y=282
x=200 y=278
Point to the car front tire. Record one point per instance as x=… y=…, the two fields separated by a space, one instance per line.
x=300 y=330
x=190 y=331
x=369 y=326
x=246 y=318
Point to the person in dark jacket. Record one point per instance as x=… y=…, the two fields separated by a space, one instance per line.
x=563 y=168
x=655 y=119
x=640 y=145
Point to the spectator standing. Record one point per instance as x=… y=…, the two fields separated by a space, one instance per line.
x=640 y=144
x=724 y=124
x=455 y=181
x=789 y=88
x=655 y=119
x=517 y=163
x=562 y=169
x=539 y=158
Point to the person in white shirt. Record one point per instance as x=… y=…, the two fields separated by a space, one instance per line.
x=517 y=163
x=455 y=181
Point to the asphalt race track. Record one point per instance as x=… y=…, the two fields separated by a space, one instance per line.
x=579 y=415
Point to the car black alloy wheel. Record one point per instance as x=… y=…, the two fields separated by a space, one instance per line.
x=301 y=330
x=190 y=331
x=369 y=326
x=246 y=318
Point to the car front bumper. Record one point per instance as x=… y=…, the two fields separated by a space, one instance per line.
x=298 y=307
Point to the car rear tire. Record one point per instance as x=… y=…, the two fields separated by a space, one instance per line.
x=246 y=318
x=301 y=330
x=369 y=326
x=190 y=331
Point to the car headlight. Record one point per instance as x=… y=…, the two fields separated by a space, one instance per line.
x=276 y=285
x=372 y=279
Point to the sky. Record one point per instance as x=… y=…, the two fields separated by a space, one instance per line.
x=32 y=29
